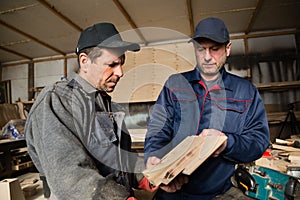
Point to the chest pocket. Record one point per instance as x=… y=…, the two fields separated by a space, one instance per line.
x=233 y=113
x=104 y=129
x=186 y=112
x=103 y=141
x=238 y=106
x=183 y=95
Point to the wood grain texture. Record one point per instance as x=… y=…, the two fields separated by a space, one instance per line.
x=185 y=158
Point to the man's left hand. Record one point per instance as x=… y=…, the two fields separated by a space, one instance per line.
x=207 y=132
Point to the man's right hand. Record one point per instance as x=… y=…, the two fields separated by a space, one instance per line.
x=175 y=184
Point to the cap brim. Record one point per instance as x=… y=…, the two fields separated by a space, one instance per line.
x=117 y=44
x=210 y=37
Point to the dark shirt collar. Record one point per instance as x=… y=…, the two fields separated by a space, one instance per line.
x=86 y=86
x=80 y=82
x=194 y=77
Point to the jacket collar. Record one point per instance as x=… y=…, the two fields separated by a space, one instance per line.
x=78 y=81
x=194 y=77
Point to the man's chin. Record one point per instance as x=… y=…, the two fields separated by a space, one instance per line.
x=110 y=89
x=210 y=73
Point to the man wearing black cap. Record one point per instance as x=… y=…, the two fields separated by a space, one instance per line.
x=208 y=101
x=75 y=137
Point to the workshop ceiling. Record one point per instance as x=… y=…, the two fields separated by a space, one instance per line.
x=31 y=29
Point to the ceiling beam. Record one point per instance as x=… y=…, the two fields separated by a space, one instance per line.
x=37 y=60
x=31 y=37
x=57 y=13
x=16 y=53
x=266 y=34
x=191 y=16
x=130 y=20
x=254 y=15
x=236 y=10
x=236 y=37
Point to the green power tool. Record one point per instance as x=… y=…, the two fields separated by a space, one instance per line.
x=267 y=184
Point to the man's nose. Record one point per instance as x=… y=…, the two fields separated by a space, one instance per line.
x=207 y=55
x=118 y=71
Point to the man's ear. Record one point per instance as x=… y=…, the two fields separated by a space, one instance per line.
x=228 y=48
x=83 y=61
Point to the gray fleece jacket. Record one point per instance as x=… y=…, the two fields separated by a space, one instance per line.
x=84 y=154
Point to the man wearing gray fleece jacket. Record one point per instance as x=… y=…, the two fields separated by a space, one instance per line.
x=74 y=136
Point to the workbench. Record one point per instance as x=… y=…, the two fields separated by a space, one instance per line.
x=8 y=147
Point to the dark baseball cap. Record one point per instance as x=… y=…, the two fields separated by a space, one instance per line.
x=104 y=35
x=213 y=29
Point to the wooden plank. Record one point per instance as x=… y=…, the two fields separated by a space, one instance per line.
x=280 y=116
x=278 y=85
x=185 y=158
x=284 y=148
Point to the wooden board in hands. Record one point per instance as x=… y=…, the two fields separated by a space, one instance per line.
x=184 y=158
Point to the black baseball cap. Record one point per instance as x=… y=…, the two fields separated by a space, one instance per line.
x=213 y=29
x=104 y=35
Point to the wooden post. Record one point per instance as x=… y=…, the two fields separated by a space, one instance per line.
x=65 y=67
x=297 y=38
x=0 y=72
x=30 y=81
